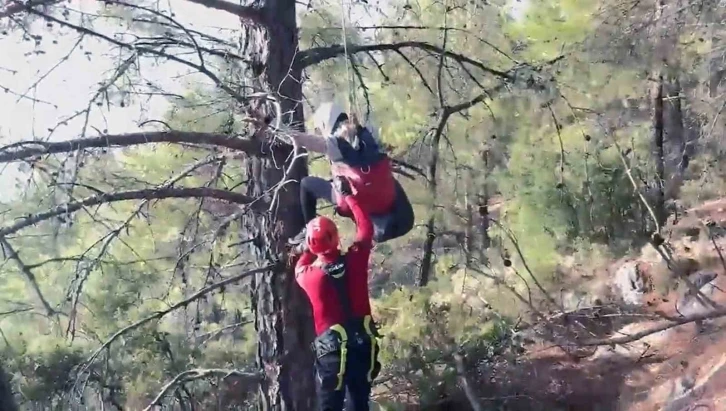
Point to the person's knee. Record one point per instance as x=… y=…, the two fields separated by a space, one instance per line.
x=307 y=182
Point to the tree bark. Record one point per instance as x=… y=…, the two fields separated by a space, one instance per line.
x=7 y=401
x=282 y=312
x=427 y=262
x=483 y=203
x=659 y=153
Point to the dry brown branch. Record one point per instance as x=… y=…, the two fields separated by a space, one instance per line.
x=464 y=382
x=515 y=243
x=29 y=276
x=196 y=374
x=656 y=329
x=246 y=13
x=24 y=150
x=313 y=56
x=75 y=294
x=15 y=7
x=144 y=194
x=160 y=314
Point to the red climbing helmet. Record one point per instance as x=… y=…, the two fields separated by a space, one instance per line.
x=321 y=235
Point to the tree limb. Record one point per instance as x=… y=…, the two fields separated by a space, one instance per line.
x=246 y=13
x=146 y=194
x=196 y=374
x=159 y=314
x=143 y=51
x=658 y=328
x=313 y=56
x=29 y=276
x=16 y=7
x=21 y=150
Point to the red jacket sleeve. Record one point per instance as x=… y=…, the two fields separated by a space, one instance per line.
x=305 y=260
x=363 y=223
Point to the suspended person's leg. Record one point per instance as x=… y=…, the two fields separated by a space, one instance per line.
x=312 y=189
x=398 y=222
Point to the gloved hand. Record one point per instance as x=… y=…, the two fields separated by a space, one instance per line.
x=342 y=185
x=260 y=120
x=299 y=249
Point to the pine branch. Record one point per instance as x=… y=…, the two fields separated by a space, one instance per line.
x=145 y=194
x=29 y=276
x=26 y=149
x=196 y=374
x=671 y=323
x=160 y=314
x=246 y=13
x=316 y=55
x=16 y=7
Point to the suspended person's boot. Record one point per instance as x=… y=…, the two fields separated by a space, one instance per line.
x=298 y=239
x=398 y=222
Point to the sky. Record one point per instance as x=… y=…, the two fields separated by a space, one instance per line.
x=39 y=90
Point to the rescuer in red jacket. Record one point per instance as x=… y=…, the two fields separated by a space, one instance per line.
x=336 y=284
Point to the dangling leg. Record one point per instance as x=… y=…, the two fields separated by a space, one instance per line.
x=396 y=223
x=312 y=189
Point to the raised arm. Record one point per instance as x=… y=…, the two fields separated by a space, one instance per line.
x=363 y=223
x=311 y=142
x=305 y=260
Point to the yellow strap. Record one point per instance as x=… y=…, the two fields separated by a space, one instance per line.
x=343 y=353
x=367 y=325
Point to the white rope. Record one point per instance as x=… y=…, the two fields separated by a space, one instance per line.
x=349 y=76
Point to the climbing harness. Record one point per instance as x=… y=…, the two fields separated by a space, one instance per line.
x=327 y=342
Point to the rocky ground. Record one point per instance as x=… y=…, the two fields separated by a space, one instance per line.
x=679 y=369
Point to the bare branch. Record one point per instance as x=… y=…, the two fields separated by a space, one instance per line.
x=464 y=382
x=658 y=328
x=29 y=276
x=16 y=7
x=21 y=150
x=246 y=13
x=159 y=314
x=144 y=51
x=144 y=194
x=196 y=374
x=313 y=56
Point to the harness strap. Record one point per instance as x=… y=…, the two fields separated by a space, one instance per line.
x=336 y=273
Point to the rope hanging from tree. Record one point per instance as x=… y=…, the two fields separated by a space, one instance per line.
x=349 y=76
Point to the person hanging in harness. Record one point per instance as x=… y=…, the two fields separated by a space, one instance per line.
x=346 y=347
x=355 y=154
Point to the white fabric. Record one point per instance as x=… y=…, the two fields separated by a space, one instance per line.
x=325 y=117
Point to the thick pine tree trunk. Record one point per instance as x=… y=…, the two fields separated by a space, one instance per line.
x=282 y=312
x=7 y=401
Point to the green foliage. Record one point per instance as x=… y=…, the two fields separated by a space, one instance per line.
x=422 y=330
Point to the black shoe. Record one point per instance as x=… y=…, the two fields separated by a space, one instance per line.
x=298 y=239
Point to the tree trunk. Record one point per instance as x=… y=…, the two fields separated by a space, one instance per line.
x=7 y=401
x=427 y=262
x=668 y=125
x=483 y=202
x=716 y=59
x=282 y=312
x=659 y=153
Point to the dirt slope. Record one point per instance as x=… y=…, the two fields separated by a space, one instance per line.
x=680 y=369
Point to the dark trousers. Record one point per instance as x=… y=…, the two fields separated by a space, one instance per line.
x=361 y=368
x=312 y=189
